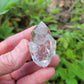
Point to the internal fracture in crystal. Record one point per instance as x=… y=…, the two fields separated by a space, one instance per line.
x=42 y=45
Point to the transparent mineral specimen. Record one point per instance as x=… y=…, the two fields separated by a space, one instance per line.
x=42 y=45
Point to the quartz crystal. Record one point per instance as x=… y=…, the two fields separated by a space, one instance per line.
x=42 y=45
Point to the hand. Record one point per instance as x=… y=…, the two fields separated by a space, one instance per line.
x=14 y=52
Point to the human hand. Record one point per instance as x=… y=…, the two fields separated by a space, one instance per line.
x=14 y=52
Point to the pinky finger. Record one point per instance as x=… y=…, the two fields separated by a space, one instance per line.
x=38 y=77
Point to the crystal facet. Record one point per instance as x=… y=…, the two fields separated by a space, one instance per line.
x=42 y=45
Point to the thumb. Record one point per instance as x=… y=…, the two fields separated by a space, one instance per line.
x=15 y=59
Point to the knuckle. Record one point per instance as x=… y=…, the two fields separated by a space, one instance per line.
x=8 y=61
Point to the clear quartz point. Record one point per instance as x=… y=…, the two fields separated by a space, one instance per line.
x=42 y=45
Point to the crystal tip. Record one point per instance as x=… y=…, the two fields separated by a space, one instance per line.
x=42 y=23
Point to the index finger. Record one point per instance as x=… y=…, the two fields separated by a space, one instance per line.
x=9 y=44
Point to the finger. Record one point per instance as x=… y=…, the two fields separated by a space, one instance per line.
x=31 y=67
x=14 y=59
x=38 y=77
x=54 y=61
x=6 y=79
x=26 y=69
x=8 y=44
x=7 y=82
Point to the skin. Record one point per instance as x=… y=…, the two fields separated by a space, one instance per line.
x=14 y=52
